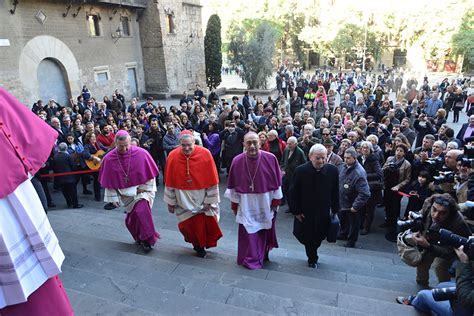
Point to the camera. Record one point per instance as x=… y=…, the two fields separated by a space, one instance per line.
x=444 y=293
x=415 y=223
x=468 y=157
x=445 y=177
x=448 y=238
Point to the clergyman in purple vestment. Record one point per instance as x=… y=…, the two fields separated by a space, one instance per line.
x=128 y=175
x=254 y=188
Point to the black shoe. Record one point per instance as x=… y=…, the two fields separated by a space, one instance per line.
x=109 y=206
x=146 y=246
x=97 y=198
x=383 y=225
x=364 y=232
x=87 y=192
x=349 y=244
x=341 y=237
x=201 y=252
x=288 y=211
x=392 y=237
x=78 y=206
x=51 y=204
x=312 y=265
x=69 y=206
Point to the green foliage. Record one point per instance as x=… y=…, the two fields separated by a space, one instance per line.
x=252 y=47
x=212 y=52
x=463 y=40
x=349 y=41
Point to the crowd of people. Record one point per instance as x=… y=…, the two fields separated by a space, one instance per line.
x=367 y=148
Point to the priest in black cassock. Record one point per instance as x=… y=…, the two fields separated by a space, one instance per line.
x=314 y=193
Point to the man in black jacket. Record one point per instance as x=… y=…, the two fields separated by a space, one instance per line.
x=314 y=193
x=62 y=162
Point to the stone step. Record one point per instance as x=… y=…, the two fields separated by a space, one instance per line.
x=137 y=295
x=201 y=297
x=87 y=304
x=339 y=268
x=294 y=250
x=250 y=293
x=191 y=267
x=164 y=220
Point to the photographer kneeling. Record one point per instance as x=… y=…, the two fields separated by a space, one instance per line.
x=439 y=211
x=450 y=298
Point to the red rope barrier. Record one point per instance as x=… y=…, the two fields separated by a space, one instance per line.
x=50 y=175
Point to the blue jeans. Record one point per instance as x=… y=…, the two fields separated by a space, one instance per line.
x=424 y=302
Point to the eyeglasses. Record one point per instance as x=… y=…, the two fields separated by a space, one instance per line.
x=326 y=134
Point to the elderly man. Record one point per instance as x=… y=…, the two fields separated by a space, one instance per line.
x=354 y=193
x=314 y=193
x=254 y=189
x=307 y=140
x=466 y=131
x=292 y=158
x=133 y=187
x=332 y=157
x=192 y=193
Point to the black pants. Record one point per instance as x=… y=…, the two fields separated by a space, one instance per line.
x=392 y=209
x=312 y=250
x=44 y=184
x=350 y=225
x=456 y=115
x=70 y=193
x=39 y=189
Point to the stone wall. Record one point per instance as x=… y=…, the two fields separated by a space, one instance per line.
x=183 y=49
x=67 y=41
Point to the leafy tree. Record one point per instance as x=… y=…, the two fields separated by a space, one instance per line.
x=463 y=40
x=349 y=41
x=212 y=52
x=253 y=52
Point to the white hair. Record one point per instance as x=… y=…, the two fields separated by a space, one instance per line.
x=273 y=132
x=292 y=139
x=373 y=137
x=318 y=148
x=453 y=145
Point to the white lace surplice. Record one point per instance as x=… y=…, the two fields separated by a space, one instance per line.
x=254 y=210
x=29 y=250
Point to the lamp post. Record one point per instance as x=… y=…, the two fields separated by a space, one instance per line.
x=365 y=44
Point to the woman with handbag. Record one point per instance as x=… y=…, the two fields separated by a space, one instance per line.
x=458 y=101
x=371 y=164
x=396 y=174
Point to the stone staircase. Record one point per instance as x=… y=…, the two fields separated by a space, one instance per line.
x=105 y=273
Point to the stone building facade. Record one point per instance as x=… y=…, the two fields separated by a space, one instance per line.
x=50 y=49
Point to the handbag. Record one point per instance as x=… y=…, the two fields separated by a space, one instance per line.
x=334 y=226
x=459 y=105
x=409 y=254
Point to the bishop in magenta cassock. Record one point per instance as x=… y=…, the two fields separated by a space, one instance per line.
x=128 y=175
x=192 y=193
x=254 y=189
x=30 y=256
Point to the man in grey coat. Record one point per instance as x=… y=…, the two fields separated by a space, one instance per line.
x=354 y=193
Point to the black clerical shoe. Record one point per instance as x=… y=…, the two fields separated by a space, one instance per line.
x=87 y=192
x=78 y=206
x=312 y=265
x=146 y=246
x=349 y=244
x=340 y=237
x=109 y=206
x=201 y=252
